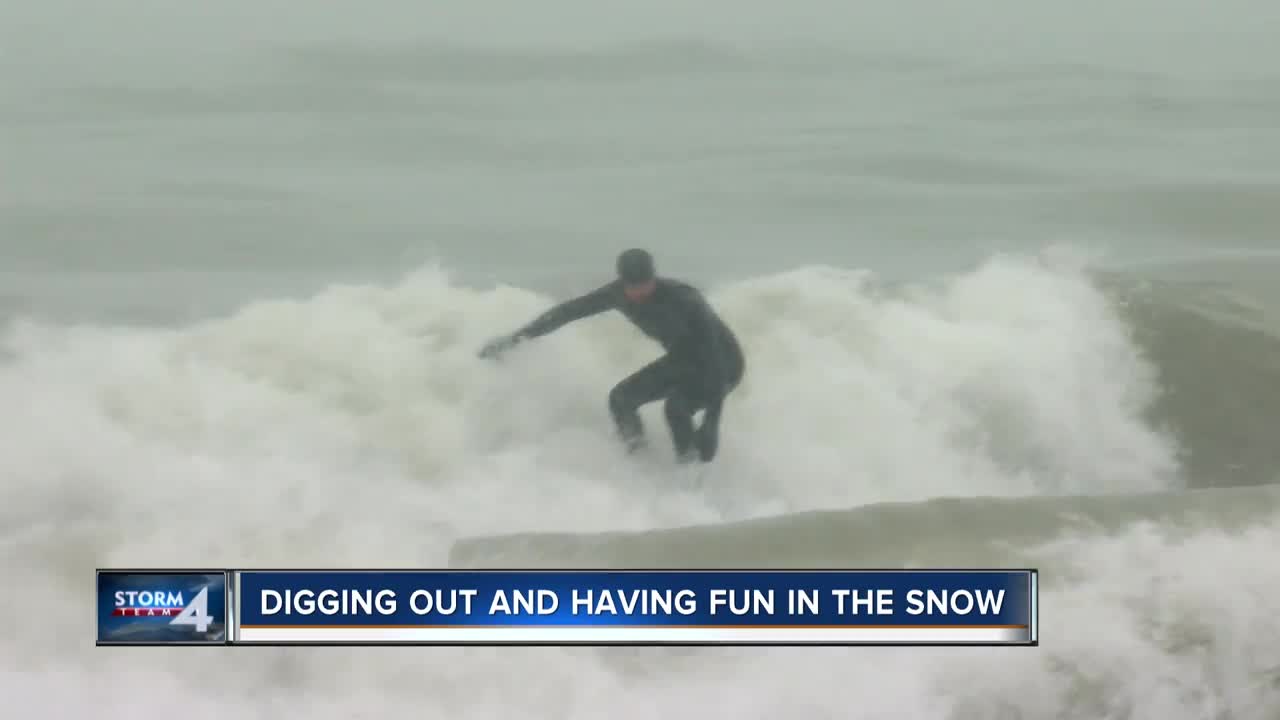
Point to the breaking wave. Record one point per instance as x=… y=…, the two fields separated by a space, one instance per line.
x=1112 y=433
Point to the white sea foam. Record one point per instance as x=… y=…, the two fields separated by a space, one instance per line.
x=357 y=428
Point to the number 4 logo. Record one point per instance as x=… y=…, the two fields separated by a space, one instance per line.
x=197 y=613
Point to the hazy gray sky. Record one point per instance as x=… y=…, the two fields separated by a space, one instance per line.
x=70 y=38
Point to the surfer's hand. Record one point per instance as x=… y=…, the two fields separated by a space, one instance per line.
x=497 y=346
x=708 y=441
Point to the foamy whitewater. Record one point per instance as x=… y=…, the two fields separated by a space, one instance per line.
x=1005 y=274
x=356 y=428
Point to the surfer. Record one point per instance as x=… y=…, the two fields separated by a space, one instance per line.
x=702 y=365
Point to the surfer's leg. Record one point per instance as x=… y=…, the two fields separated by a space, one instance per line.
x=650 y=383
x=688 y=399
x=679 y=410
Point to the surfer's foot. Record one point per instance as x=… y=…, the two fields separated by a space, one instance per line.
x=634 y=444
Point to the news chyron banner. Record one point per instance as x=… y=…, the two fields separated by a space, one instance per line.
x=562 y=607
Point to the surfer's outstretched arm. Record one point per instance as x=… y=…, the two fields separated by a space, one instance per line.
x=583 y=306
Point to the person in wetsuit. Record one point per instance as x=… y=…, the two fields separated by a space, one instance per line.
x=702 y=365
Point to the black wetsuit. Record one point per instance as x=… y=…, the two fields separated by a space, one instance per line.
x=702 y=364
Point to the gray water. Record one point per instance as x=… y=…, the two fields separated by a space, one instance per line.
x=1006 y=276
